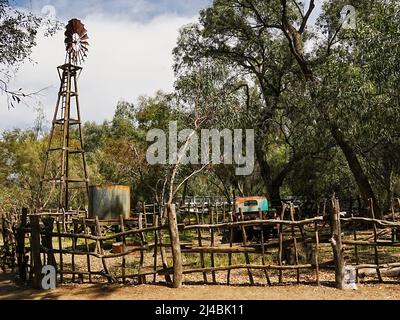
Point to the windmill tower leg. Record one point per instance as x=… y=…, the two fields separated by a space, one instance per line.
x=64 y=126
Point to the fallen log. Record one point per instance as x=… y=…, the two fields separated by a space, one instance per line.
x=371 y=272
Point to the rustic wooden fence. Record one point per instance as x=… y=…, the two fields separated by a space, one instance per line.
x=138 y=250
x=384 y=260
x=148 y=248
x=8 y=245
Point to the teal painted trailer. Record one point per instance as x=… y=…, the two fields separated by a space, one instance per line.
x=252 y=205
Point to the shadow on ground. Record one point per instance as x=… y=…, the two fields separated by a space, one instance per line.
x=9 y=290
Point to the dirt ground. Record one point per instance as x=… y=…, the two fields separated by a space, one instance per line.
x=10 y=291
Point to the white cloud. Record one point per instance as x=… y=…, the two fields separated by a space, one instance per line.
x=126 y=59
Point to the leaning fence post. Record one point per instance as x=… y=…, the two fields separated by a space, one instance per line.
x=101 y=250
x=35 y=251
x=336 y=242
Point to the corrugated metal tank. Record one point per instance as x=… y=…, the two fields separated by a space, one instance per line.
x=109 y=202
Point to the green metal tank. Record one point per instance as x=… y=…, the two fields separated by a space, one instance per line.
x=109 y=202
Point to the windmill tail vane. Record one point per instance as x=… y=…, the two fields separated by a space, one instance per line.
x=76 y=42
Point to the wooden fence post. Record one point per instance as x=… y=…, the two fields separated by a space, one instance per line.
x=394 y=230
x=21 y=259
x=316 y=252
x=246 y=255
x=74 y=245
x=145 y=214
x=48 y=241
x=200 y=243
x=101 y=250
x=243 y=229
x=122 y=224
x=336 y=242
x=142 y=278
x=378 y=271
x=263 y=248
x=212 y=231
x=296 y=252
x=87 y=250
x=35 y=252
x=155 y=224
x=60 y=249
x=280 y=250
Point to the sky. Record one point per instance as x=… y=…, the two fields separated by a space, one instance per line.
x=131 y=43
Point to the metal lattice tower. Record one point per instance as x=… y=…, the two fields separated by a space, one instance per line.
x=66 y=139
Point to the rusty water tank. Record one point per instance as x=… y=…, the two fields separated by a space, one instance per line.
x=109 y=202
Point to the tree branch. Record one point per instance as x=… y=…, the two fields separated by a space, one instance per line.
x=307 y=16
x=259 y=17
x=298 y=8
x=17 y=96
x=188 y=177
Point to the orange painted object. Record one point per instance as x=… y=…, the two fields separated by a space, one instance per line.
x=118 y=248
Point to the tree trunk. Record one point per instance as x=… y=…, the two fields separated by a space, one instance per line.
x=275 y=195
x=273 y=185
x=176 y=246
x=354 y=164
x=265 y=169
x=357 y=170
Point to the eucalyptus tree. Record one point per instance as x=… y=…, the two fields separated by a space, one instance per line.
x=345 y=74
x=20 y=168
x=377 y=39
x=359 y=87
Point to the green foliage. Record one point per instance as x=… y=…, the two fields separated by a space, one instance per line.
x=20 y=168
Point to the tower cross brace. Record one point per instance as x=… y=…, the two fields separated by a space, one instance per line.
x=61 y=142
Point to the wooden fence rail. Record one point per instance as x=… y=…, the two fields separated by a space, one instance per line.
x=141 y=247
x=154 y=247
x=373 y=241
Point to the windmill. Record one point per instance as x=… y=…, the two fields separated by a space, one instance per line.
x=65 y=166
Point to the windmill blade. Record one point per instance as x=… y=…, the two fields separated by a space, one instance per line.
x=82 y=56
x=82 y=30
x=76 y=41
x=75 y=24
